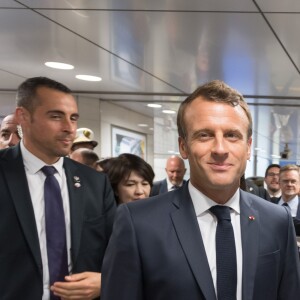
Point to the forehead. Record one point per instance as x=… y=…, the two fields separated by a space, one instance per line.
x=292 y=174
x=274 y=170
x=174 y=164
x=51 y=98
x=211 y=113
x=9 y=122
x=134 y=176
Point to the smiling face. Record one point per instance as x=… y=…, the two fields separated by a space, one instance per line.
x=272 y=179
x=133 y=188
x=289 y=181
x=217 y=147
x=49 y=131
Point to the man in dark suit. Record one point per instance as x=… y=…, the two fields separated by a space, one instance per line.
x=47 y=113
x=9 y=133
x=175 y=170
x=289 y=182
x=272 y=192
x=167 y=247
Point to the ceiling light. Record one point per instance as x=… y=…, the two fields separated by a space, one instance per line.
x=58 y=65
x=169 y=111
x=88 y=77
x=143 y=125
x=154 y=105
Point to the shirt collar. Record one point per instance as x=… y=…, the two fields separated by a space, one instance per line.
x=170 y=185
x=202 y=203
x=33 y=164
x=293 y=203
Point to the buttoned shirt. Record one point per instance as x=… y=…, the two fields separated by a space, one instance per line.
x=293 y=205
x=208 y=225
x=36 y=179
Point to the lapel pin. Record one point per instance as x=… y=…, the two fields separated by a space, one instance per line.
x=251 y=218
x=77 y=181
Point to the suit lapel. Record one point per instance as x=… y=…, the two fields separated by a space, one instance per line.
x=20 y=194
x=76 y=197
x=250 y=239
x=163 y=187
x=189 y=235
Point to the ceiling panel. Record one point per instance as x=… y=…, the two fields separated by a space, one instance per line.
x=227 y=5
x=286 y=27
x=9 y=3
x=187 y=48
x=41 y=41
x=279 y=6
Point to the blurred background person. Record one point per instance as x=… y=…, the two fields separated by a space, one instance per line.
x=9 y=134
x=85 y=156
x=131 y=178
x=272 y=192
x=104 y=164
x=175 y=170
x=84 y=139
x=289 y=182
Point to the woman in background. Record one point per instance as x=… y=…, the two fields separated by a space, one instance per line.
x=131 y=178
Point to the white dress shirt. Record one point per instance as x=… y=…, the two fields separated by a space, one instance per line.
x=208 y=225
x=36 y=179
x=292 y=205
x=171 y=185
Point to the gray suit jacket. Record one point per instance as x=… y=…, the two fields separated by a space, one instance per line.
x=156 y=252
x=92 y=208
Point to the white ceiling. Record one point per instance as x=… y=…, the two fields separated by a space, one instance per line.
x=157 y=50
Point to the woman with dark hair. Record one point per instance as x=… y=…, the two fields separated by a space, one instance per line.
x=131 y=178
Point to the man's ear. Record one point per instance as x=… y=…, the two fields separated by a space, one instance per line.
x=249 y=148
x=183 y=147
x=22 y=115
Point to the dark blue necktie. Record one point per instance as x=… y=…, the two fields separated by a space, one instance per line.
x=225 y=254
x=286 y=204
x=55 y=228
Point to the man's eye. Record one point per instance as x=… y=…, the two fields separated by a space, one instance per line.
x=74 y=118
x=5 y=136
x=55 y=117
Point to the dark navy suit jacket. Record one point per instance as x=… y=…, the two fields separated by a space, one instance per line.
x=92 y=208
x=156 y=252
x=160 y=187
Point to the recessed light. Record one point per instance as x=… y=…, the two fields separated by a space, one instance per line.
x=154 y=105
x=169 y=111
x=143 y=125
x=88 y=77
x=58 y=65
x=151 y=128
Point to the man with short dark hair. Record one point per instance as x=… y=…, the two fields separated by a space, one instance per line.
x=81 y=219
x=272 y=192
x=207 y=240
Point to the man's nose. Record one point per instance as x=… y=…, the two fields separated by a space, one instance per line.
x=13 y=140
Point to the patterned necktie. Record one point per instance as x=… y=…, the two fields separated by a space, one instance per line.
x=55 y=228
x=225 y=254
